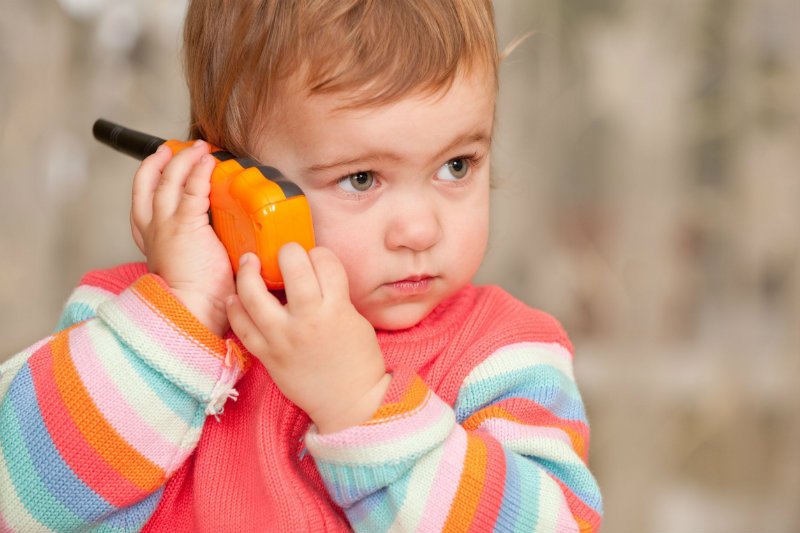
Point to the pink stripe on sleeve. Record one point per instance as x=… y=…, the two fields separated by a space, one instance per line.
x=73 y=448
x=429 y=413
x=445 y=482
x=114 y=406
x=507 y=431
x=166 y=335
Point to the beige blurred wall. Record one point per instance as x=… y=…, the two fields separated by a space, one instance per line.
x=648 y=162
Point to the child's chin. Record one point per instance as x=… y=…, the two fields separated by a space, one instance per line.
x=398 y=317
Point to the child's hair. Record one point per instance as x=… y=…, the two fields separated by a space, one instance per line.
x=240 y=55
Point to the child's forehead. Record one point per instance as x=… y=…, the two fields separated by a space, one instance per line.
x=323 y=125
x=363 y=101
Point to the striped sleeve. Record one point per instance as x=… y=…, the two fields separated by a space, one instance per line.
x=95 y=418
x=510 y=456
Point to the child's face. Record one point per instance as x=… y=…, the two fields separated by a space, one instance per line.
x=406 y=207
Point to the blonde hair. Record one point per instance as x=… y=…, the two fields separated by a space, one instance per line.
x=239 y=55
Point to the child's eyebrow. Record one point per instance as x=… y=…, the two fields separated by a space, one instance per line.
x=483 y=137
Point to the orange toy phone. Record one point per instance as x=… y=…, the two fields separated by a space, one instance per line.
x=254 y=208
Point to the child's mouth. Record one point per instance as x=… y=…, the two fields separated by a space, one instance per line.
x=412 y=285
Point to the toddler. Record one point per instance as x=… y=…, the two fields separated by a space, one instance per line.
x=386 y=393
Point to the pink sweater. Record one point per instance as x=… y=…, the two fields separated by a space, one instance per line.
x=482 y=428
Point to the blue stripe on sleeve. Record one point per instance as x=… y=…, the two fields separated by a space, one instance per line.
x=50 y=467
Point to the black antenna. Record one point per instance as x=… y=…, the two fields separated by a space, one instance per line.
x=133 y=143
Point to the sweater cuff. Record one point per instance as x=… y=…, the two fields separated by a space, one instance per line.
x=161 y=331
x=411 y=421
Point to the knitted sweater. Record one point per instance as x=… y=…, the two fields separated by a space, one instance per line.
x=115 y=423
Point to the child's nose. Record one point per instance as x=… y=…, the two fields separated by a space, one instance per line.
x=413 y=224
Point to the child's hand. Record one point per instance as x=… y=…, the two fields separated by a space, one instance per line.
x=321 y=353
x=169 y=220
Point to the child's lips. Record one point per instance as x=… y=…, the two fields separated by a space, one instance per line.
x=411 y=285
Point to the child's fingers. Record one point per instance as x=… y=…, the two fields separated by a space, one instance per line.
x=145 y=182
x=169 y=191
x=244 y=327
x=195 y=200
x=137 y=235
x=330 y=273
x=299 y=279
x=263 y=307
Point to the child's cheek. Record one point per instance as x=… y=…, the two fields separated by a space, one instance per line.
x=357 y=264
x=348 y=241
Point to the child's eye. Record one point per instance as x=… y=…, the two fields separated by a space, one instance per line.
x=358 y=182
x=455 y=169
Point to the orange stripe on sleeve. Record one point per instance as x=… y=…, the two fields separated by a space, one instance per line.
x=493 y=492
x=410 y=400
x=100 y=435
x=157 y=297
x=465 y=502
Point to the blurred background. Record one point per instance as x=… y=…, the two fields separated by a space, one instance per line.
x=648 y=165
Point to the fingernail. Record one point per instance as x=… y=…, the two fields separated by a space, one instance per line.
x=230 y=300
x=162 y=148
x=243 y=259
x=199 y=142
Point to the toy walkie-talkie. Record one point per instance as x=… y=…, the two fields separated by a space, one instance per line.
x=254 y=208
